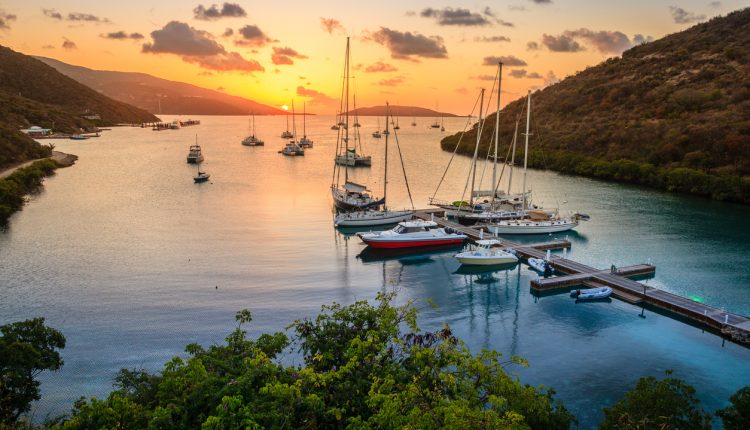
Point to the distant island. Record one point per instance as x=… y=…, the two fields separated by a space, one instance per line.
x=35 y=94
x=673 y=114
x=411 y=111
x=161 y=96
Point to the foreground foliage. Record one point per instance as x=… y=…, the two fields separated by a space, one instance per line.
x=26 y=349
x=364 y=366
x=15 y=187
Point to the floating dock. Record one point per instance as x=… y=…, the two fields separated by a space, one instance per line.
x=732 y=326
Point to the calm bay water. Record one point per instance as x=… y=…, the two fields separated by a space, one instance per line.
x=132 y=261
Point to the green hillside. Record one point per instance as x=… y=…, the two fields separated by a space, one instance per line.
x=673 y=114
x=33 y=93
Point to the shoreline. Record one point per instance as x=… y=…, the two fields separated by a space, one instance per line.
x=61 y=158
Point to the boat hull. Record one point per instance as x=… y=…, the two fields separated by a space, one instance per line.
x=194 y=160
x=540 y=228
x=485 y=261
x=371 y=219
x=396 y=244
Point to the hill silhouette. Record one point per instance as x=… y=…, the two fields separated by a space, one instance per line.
x=161 y=96
x=412 y=111
x=33 y=93
x=672 y=114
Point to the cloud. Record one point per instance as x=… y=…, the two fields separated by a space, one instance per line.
x=227 y=33
x=330 y=25
x=486 y=77
x=534 y=75
x=380 y=66
x=508 y=61
x=68 y=44
x=605 y=41
x=550 y=79
x=407 y=45
x=681 y=16
x=197 y=47
x=562 y=43
x=5 y=18
x=391 y=82
x=315 y=97
x=608 y=42
x=516 y=7
x=518 y=73
x=228 y=10
x=492 y=39
x=462 y=17
x=48 y=47
x=51 y=13
x=542 y=1
x=715 y=4
x=285 y=55
x=75 y=17
x=121 y=35
x=252 y=36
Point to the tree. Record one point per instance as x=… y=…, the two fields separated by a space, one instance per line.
x=737 y=415
x=666 y=404
x=26 y=349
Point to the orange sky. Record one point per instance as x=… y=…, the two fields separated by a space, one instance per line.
x=419 y=53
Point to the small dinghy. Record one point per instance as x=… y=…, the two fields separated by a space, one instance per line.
x=540 y=265
x=201 y=177
x=591 y=293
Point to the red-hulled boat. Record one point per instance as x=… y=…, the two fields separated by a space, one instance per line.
x=410 y=234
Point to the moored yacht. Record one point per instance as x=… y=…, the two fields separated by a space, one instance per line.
x=486 y=253
x=410 y=234
x=195 y=155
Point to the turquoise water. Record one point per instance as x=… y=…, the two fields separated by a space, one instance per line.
x=132 y=261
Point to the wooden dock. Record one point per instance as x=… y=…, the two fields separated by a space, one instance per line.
x=733 y=326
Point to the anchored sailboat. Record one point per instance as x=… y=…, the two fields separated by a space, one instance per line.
x=349 y=195
x=382 y=216
x=252 y=140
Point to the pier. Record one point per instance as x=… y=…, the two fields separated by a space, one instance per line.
x=732 y=326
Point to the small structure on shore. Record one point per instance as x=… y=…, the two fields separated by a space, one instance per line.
x=36 y=131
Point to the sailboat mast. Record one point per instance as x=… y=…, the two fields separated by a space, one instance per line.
x=385 y=170
x=476 y=151
x=346 y=107
x=526 y=152
x=513 y=156
x=253 y=124
x=497 y=133
x=304 y=117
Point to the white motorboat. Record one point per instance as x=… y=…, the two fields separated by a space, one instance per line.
x=591 y=293
x=410 y=234
x=486 y=254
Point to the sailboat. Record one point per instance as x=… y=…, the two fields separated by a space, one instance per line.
x=376 y=134
x=252 y=140
x=414 y=121
x=396 y=126
x=287 y=134
x=292 y=148
x=539 y=221
x=349 y=195
x=305 y=142
x=371 y=217
x=435 y=124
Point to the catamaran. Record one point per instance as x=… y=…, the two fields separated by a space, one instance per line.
x=252 y=140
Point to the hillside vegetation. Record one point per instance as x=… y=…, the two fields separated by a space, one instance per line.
x=672 y=114
x=32 y=93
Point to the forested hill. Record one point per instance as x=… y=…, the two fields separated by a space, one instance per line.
x=672 y=114
x=33 y=93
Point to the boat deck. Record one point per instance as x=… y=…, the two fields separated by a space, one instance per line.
x=732 y=326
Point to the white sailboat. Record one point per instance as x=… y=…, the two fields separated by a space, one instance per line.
x=292 y=148
x=287 y=134
x=305 y=142
x=544 y=222
x=252 y=140
x=349 y=195
x=384 y=216
x=376 y=134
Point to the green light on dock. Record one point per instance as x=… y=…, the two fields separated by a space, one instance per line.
x=696 y=299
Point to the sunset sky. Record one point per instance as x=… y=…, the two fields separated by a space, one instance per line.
x=421 y=53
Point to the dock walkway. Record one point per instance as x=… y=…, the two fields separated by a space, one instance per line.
x=733 y=326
